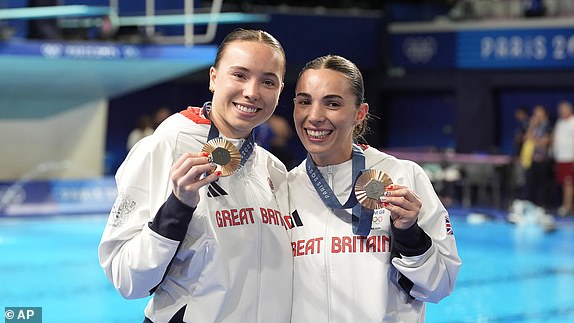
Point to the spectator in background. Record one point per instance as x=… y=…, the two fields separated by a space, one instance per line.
x=143 y=129
x=279 y=143
x=563 y=149
x=535 y=157
x=160 y=115
x=534 y=8
x=44 y=28
x=521 y=118
x=274 y=136
x=263 y=135
x=522 y=121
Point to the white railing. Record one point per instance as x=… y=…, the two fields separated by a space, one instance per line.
x=90 y=16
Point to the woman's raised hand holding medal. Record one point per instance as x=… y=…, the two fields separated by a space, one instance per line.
x=404 y=205
x=217 y=158
x=375 y=189
x=187 y=176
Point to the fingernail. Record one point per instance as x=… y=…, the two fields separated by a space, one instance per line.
x=382 y=198
x=390 y=187
x=218 y=173
x=387 y=193
x=385 y=204
x=204 y=153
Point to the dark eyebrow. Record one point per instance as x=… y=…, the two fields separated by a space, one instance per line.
x=233 y=67
x=241 y=68
x=326 y=97
x=332 y=96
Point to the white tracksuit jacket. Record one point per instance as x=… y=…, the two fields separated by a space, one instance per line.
x=232 y=263
x=342 y=278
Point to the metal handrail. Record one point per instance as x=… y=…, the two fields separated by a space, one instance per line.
x=189 y=19
x=53 y=12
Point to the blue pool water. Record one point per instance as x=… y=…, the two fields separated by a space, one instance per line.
x=509 y=273
x=53 y=263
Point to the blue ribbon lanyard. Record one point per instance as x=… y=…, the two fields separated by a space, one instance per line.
x=247 y=147
x=362 y=217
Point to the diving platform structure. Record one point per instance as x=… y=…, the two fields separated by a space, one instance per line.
x=54 y=94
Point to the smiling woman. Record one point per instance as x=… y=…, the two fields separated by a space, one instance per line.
x=162 y=237
x=245 y=88
x=325 y=115
x=351 y=259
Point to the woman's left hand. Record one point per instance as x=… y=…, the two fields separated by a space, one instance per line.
x=403 y=204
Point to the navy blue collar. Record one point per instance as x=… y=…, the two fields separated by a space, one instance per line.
x=362 y=217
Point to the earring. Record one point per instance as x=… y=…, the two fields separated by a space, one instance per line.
x=211 y=89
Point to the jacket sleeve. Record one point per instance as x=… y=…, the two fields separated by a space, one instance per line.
x=427 y=253
x=137 y=246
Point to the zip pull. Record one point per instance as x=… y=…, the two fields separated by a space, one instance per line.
x=330 y=175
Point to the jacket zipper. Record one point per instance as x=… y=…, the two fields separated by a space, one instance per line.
x=330 y=176
x=259 y=246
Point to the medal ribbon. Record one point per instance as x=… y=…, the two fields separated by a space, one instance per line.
x=362 y=217
x=247 y=147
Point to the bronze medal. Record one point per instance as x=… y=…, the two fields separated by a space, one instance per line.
x=370 y=186
x=223 y=155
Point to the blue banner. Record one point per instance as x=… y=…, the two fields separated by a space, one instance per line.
x=423 y=50
x=57 y=197
x=483 y=47
x=106 y=51
x=516 y=48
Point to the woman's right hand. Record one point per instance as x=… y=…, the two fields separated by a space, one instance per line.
x=186 y=175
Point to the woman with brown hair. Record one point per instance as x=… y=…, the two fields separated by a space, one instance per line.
x=197 y=223
x=372 y=241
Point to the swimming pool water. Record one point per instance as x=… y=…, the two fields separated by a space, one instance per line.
x=53 y=263
x=509 y=273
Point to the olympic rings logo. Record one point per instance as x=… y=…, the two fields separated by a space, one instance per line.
x=377 y=219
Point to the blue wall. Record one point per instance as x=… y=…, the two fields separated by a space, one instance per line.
x=419 y=120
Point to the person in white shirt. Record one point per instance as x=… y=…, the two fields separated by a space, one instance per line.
x=143 y=130
x=563 y=150
x=209 y=248
x=352 y=264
